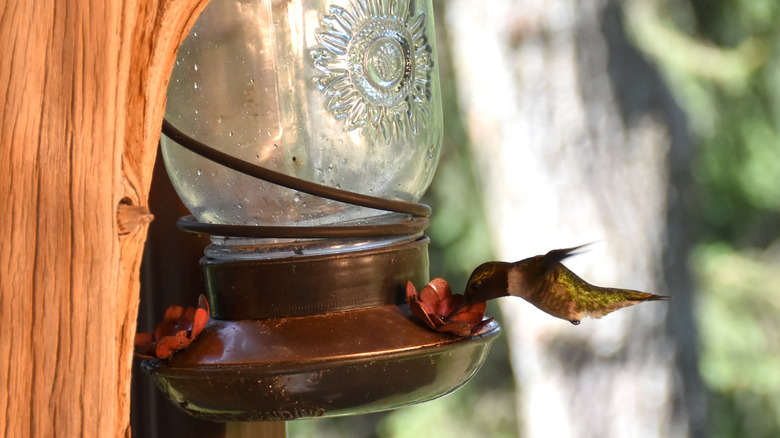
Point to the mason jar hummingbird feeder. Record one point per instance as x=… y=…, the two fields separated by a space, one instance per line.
x=301 y=134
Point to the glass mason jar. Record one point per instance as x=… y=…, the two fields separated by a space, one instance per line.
x=344 y=93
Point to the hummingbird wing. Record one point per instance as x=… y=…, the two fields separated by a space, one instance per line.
x=557 y=255
x=533 y=277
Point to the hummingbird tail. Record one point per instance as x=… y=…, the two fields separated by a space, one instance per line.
x=653 y=297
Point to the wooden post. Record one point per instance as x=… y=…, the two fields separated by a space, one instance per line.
x=82 y=85
x=269 y=429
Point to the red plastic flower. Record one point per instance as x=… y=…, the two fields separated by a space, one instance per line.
x=176 y=332
x=435 y=305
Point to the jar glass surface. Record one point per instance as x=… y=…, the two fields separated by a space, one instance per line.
x=343 y=93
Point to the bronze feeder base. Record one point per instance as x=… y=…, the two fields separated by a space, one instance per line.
x=317 y=336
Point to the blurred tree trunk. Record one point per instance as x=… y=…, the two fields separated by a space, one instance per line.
x=576 y=140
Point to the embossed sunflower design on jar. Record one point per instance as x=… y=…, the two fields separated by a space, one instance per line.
x=375 y=62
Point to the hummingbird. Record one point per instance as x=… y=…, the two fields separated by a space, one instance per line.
x=549 y=285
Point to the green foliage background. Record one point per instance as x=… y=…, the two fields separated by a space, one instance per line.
x=721 y=59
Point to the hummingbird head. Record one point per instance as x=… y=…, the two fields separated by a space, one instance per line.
x=488 y=281
x=525 y=278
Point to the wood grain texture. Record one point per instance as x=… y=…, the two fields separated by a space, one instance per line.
x=83 y=90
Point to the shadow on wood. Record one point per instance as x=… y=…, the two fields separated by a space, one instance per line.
x=170 y=274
